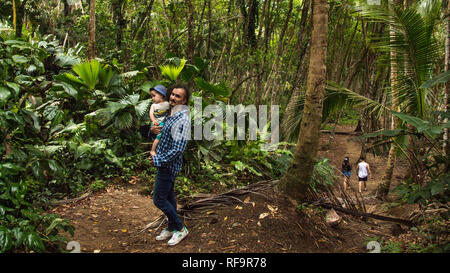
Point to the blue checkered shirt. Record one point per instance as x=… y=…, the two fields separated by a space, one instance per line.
x=174 y=137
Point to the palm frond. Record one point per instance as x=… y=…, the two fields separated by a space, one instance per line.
x=123 y=120
x=415 y=49
x=338 y=96
x=292 y=117
x=142 y=108
x=88 y=72
x=172 y=72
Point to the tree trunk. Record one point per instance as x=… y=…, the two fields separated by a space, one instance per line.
x=18 y=16
x=118 y=7
x=91 y=44
x=447 y=84
x=190 y=27
x=297 y=178
x=383 y=188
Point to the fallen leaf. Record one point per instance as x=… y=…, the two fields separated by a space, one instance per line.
x=97 y=251
x=263 y=215
x=211 y=242
x=238 y=207
x=210 y=212
x=247 y=200
x=124 y=230
x=272 y=209
x=226 y=218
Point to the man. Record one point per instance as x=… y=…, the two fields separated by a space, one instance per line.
x=168 y=160
x=363 y=173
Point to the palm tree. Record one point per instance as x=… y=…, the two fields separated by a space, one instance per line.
x=413 y=52
x=297 y=178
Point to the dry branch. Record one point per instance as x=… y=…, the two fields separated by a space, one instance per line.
x=72 y=200
x=364 y=214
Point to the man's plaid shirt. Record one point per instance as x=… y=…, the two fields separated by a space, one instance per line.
x=174 y=136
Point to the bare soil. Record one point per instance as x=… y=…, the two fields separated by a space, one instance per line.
x=267 y=222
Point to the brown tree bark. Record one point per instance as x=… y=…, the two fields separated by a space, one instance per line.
x=447 y=84
x=190 y=27
x=383 y=188
x=297 y=178
x=91 y=43
x=18 y=15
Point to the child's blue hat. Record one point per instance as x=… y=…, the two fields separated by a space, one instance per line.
x=160 y=89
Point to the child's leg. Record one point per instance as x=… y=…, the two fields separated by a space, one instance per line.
x=154 y=145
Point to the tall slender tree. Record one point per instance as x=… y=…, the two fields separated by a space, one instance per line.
x=447 y=68
x=91 y=43
x=18 y=15
x=383 y=188
x=295 y=181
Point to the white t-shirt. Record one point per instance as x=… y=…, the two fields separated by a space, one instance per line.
x=362 y=169
x=160 y=110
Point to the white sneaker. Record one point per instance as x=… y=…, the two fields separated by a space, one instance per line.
x=164 y=235
x=178 y=236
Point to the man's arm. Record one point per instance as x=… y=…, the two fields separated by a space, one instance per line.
x=180 y=135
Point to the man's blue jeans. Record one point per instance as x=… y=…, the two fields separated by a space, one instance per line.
x=164 y=197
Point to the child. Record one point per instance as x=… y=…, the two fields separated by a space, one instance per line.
x=363 y=173
x=158 y=111
x=346 y=170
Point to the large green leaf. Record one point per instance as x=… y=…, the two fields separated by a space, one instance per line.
x=172 y=72
x=19 y=59
x=441 y=78
x=13 y=86
x=142 y=108
x=68 y=88
x=4 y=94
x=66 y=61
x=124 y=120
x=423 y=126
x=34 y=242
x=220 y=89
x=114 y=106
x=88 y=72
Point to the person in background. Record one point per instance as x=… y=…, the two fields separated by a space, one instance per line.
x=363 y=173
x=346 y=170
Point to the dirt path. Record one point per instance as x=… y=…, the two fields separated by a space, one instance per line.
x=109 y=221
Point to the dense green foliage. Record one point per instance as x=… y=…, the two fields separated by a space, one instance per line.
x=69 y=124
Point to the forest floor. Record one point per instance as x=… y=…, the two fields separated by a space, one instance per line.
x=110 y=220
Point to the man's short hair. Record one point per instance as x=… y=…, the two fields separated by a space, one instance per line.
x=187 y=92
